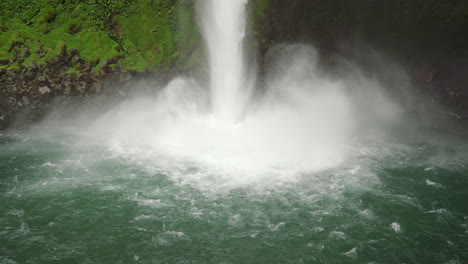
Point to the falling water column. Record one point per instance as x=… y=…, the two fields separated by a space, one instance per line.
x=223 y=27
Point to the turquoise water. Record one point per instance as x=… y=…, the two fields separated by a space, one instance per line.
x=399 y=200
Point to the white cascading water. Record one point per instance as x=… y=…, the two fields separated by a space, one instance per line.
x=303 y=121
x=223 y=27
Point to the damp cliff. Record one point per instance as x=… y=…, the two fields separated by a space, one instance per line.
x=428 y=38
x=82 y=48
x=66 y=49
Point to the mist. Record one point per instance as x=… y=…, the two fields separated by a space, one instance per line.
x=306 y=120
x=302 y=117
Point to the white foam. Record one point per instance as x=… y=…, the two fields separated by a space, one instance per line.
x=279 y=139
x=337 y=235
x=302 y=122
x=49 y=164
x=434 y=184
x=352 y=253
x=396 y=227
x=276 y=227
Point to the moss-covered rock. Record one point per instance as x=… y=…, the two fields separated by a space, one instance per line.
x=145 y=35
x=51 y=49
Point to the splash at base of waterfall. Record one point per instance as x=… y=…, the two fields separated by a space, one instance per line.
x=303 y=123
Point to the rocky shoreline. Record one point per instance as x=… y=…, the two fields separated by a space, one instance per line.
x=37 y=69
x=31 y=91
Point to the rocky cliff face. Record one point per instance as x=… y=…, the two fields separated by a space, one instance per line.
x=31 y=89
x=428 y=38
x=74 y=49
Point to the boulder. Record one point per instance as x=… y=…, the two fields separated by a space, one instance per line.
x=104 y=64
x=14 y=44
x=73 y=52
x=97 y=86
x=44 y=90
x=25 y=101
x=77 y=59
x=80 y=86
x=26 y=53
x=63 y=51
x=32 y=65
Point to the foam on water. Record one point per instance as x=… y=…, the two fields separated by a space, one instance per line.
x=217 y=134
x=351 y=211
x=297 y=126
x=303 y=121
x=296 y=175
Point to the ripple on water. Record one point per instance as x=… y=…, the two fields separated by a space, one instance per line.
x=152 y=206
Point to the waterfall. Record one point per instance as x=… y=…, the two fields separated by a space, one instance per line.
x=223 y=28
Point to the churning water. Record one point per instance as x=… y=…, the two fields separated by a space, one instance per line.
x=67 y=199
x=318 y=169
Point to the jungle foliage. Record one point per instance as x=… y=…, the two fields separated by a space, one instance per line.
x=143 y=34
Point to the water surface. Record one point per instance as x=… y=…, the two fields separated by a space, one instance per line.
x=402 y=200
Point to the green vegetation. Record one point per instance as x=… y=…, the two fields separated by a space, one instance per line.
x=257 y=14
x=137 y=34
x=260 y=8
x=156 y=35
x=146 y=35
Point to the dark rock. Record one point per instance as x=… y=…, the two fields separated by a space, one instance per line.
x=44 y=90
x=94 y=62
x=97 y=86
x=73 y=52
x=63 y=51
x=125 y=76
x=11 y=101
x=104 y=64
x=32 y=65
x=67 y=85
x=67 y=90
x=80 y=87
x=4 y=62
x=53 y=80
x=132 y=72
x=26 y=52
x=25 y=100
x=14 y=44
x=52 y=61
x=29 y=76
x=40 y=50
x=85 y=67
x=12 y=88
x=76 y=59
x=114 y=60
